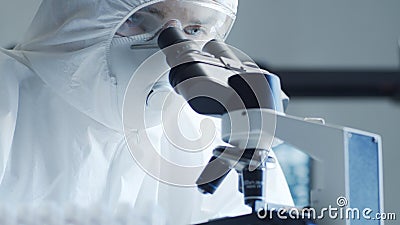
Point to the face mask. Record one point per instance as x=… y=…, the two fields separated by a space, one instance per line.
x=146 y=40
x=123 y=63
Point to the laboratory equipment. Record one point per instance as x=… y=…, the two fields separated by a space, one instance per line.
x=215 y=81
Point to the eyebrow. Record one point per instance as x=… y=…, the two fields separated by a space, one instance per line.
x=156 y=11
x=162 y=14
x=200 y=22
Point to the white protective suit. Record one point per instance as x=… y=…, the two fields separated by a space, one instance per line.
x=61 y=135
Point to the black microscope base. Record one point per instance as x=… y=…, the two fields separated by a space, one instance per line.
x=253 y=219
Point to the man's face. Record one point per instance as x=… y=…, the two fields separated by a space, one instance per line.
x=200 y=20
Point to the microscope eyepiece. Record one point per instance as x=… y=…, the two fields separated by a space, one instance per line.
x=171 y=36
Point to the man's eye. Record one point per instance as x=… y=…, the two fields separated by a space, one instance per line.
x=194 y=30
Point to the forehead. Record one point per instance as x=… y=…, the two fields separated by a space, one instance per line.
x=182 y=10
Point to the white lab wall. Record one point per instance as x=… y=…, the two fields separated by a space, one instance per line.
x=320 y=33
x=306 y=33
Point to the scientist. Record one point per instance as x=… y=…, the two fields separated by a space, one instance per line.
x=61 y=94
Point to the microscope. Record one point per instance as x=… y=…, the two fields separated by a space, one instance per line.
x=217 y=81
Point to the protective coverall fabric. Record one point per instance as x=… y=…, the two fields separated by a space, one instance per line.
x=61 y=132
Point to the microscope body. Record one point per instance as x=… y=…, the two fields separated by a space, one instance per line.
x=216 y=82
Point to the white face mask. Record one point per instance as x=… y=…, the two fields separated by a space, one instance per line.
x=145 y=40
x=124 y=61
